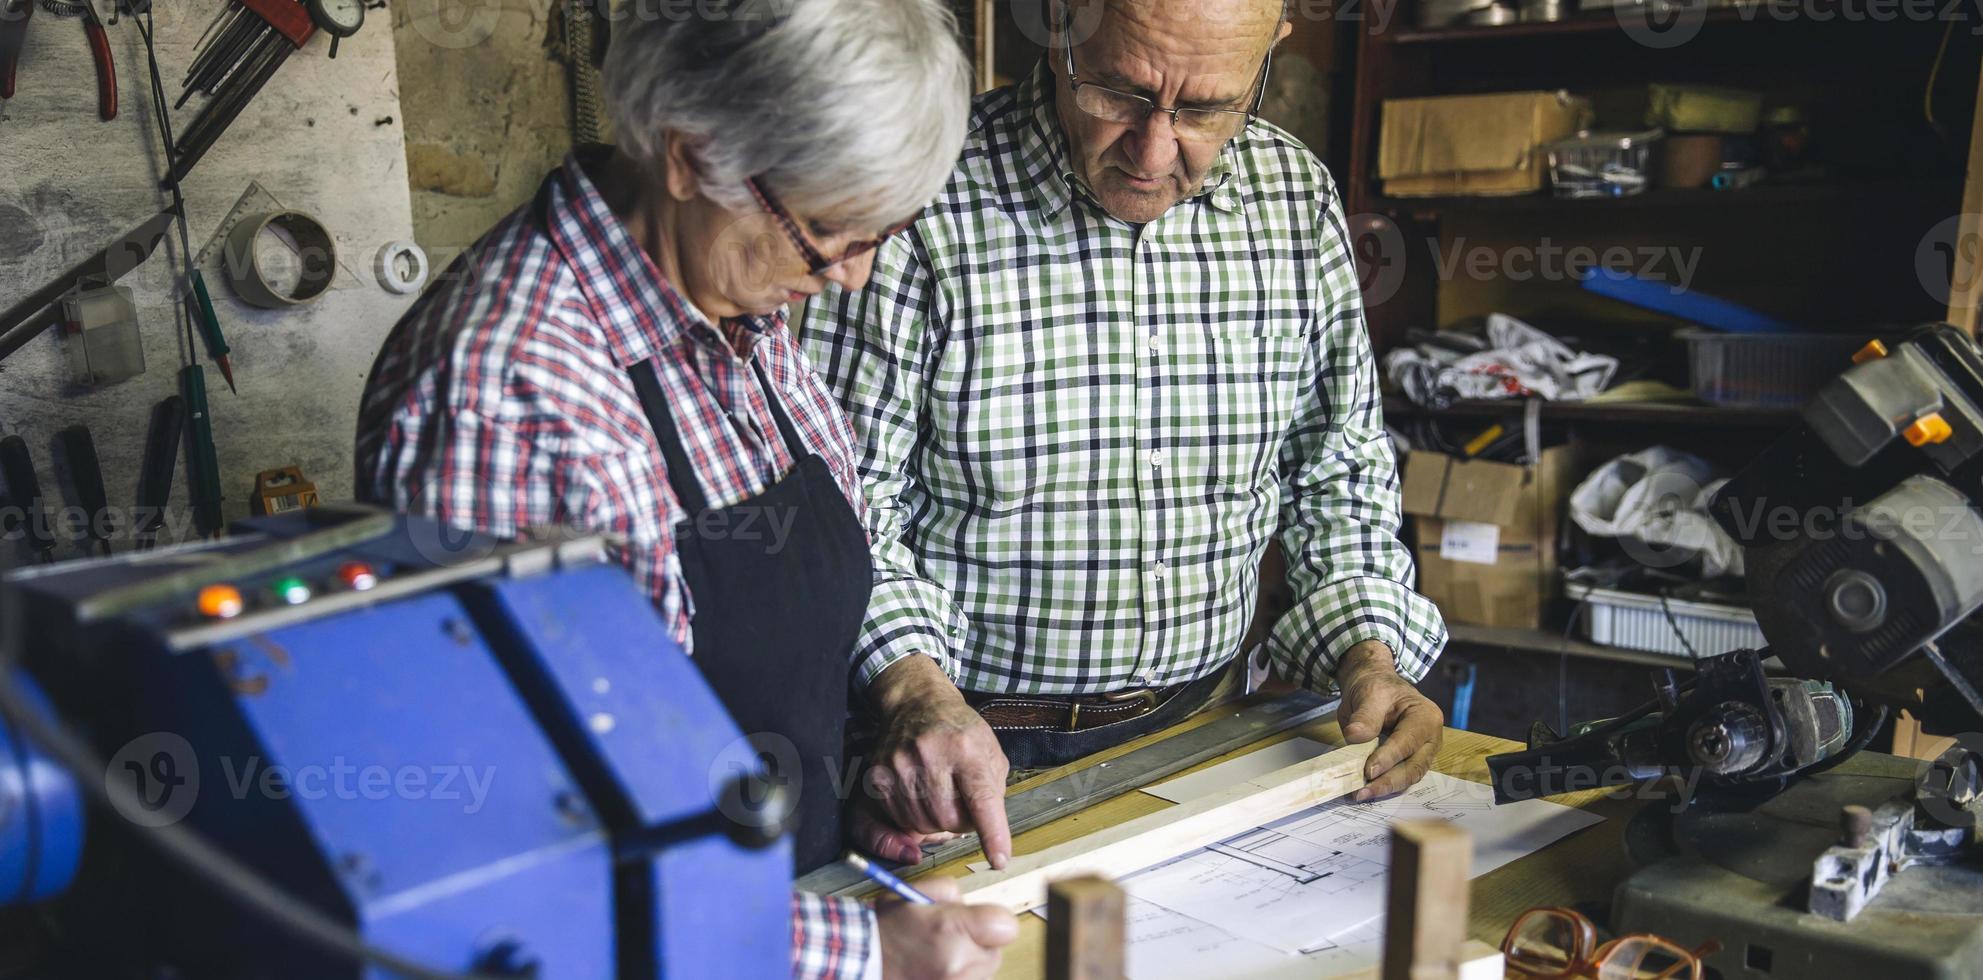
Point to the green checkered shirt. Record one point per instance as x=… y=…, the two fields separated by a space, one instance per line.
x=1079 y=436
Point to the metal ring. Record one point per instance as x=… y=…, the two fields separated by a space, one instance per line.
x=386 y=265
x=317 y=251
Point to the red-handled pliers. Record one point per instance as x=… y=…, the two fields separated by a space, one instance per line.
x=14 y=16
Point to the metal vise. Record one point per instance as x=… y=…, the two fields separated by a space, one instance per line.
x=481 y=757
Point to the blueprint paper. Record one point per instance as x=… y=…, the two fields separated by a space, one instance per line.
x=1304 y=895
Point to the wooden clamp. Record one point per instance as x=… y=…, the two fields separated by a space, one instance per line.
x=1086 y=929
x=1425 y=924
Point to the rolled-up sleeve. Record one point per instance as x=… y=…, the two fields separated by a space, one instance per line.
x=873 y=347
x=1350 y=573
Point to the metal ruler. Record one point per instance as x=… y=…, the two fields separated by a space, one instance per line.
x=1094 y=784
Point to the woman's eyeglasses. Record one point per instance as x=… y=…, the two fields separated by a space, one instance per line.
x=1559 y=943
x=1196 y=124
x=816 y=262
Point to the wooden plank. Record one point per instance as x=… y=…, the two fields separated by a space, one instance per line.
x=1087 y=922
x=1425 y=920
x=1965 y=289
x=1139 y=843
x=987 y=37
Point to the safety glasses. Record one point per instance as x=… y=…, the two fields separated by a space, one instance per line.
x=1558 y=944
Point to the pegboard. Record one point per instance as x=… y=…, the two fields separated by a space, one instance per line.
x=323 y=137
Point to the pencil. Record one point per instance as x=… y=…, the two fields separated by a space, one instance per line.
x=886 y=879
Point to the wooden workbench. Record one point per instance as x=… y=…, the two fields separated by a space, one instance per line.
x=1579 y=870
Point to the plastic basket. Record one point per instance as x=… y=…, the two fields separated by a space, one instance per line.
x=1602 y=164
x=1636 y=622
x=1765 y=370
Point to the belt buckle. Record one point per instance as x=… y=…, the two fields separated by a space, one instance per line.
x=1143 y=694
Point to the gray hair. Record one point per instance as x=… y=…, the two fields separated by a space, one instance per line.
x=850 y=110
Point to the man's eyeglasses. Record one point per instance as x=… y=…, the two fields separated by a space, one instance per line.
x=816 y=261
x=1204 y=125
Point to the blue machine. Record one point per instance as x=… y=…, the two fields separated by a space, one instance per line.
x=483 y=758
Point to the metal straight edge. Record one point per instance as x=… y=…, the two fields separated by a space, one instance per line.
x=1104 y=781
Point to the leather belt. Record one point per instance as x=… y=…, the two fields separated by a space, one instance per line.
x=1070 y=713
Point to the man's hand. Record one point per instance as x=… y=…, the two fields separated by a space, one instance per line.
x=945 y=941
x=1378 y=701
x=937 y=765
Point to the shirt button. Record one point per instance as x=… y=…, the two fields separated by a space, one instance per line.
x=1159 y=570
x=1156 y=346
x=1157 y=458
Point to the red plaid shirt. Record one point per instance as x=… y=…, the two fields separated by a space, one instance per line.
x=501 y=403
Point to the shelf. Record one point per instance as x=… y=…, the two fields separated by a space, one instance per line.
x=1880 y=193
x=1584 y=24
x=1625 y=413
x=1542 y=641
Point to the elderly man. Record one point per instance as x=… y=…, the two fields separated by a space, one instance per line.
x=1121 y=353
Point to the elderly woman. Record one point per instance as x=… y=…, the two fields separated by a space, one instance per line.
x=614 y=357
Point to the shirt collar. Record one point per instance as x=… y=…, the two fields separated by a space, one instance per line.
x=1050 y=179
x=640 y=311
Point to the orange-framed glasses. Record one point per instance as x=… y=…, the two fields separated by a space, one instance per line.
x=1557 y=943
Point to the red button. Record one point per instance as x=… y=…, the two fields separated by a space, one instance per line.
x=357 y=576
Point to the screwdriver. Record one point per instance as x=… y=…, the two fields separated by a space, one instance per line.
x=200 y=307
x=202 y=465
x=161 y=459
x=79 y=448
x=25 y=487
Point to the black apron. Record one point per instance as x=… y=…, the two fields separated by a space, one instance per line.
x=776 y=613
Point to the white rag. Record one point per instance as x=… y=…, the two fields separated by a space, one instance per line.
x=1655 y=502
x=1519 y=361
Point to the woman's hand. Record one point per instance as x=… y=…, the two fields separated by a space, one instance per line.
x=945 y=941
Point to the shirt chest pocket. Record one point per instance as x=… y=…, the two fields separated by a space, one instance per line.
x=1229 y=398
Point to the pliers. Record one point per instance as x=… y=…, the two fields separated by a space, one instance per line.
x=14 y=16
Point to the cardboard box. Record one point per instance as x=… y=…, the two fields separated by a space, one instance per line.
x=1473 y=145
x=1486 y=543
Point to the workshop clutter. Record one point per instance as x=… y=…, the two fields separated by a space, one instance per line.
x=1474 y=145
x=1515 y=360
x=1676 y=137
x=1486 y=533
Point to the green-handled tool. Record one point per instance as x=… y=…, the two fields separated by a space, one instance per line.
x=200 y=307
x=202 y=464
